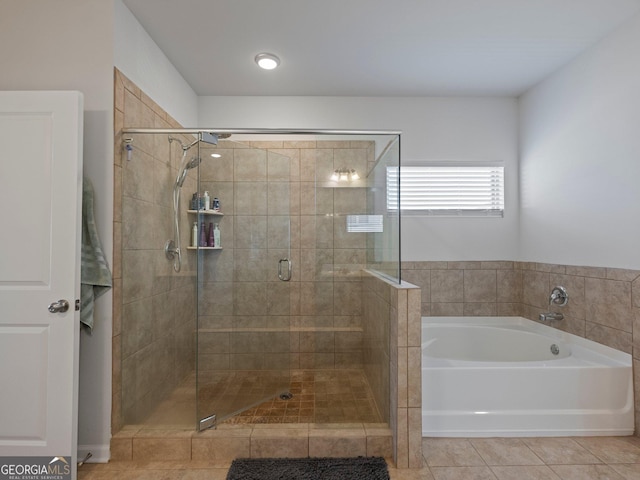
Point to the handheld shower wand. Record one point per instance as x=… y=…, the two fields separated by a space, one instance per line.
x=172 y=248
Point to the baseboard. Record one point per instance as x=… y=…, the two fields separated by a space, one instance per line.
x=99 y=453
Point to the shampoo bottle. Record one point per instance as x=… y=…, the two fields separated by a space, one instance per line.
x=194 y=235
x=207 y=200
x=216 y=236
x=203 y=236
x=210 y=239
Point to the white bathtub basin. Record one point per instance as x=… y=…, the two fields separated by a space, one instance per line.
x=499 y=376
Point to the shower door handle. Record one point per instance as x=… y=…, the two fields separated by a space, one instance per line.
x=285 y=277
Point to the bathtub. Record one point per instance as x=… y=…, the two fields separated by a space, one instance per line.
x=509 y=376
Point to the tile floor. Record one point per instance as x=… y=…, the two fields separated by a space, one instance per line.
x=319 y=396
x=576 y=458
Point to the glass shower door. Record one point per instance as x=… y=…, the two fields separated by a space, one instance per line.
x=244 y=287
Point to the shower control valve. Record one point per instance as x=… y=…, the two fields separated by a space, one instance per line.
x=559 y=296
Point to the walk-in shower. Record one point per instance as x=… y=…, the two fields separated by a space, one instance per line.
x=224 y=333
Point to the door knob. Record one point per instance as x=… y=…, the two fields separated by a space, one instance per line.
x=60 y=306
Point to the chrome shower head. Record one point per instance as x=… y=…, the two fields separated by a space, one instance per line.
x=193 y=163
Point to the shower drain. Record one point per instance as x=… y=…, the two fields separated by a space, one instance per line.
x=286 y=396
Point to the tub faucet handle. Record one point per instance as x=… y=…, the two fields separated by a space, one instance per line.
x=559 y=296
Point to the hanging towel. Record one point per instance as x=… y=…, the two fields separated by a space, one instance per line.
x=94 y=271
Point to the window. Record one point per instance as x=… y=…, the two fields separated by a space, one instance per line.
x=447 y=190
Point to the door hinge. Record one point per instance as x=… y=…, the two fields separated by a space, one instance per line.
x=77 y=304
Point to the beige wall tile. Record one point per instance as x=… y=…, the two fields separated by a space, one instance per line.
x=535 y=288
x=121 y=449
x=595 y=272
x=291 y=443
x=250 y=231
x=414 y=378
x=250 y=165
x=622 y=274
x=509 y=309
x=250 y=198
x=379 y=446
x=608 y=302
x=403 y=379
x=336 y=443
x=480 y=286
x=420 y=278
x=220 y=450
x=447 y=309
x=414 y=317
x=611 y=337
x=509 y=286
x=480 y=309
x=401 y=438
x=414 y=416
x=447 y=286
x=161 y=449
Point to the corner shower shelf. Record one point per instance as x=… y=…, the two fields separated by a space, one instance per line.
x=207 y=212
x=204 y=248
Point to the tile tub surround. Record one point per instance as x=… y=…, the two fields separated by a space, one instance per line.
x=604 y=303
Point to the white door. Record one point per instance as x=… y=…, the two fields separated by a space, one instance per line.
x=40 y=234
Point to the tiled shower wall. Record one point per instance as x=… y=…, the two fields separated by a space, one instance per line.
x=604 y=303
x=154 y=307
x=278 y=204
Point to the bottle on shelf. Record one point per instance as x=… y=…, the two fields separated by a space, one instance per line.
x=210 y=236
x=194 y=235
x=216 y=204
x=207 y=200
x=216 y=236
x=203 y=236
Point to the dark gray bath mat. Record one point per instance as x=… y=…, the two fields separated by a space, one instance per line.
x=357 y=468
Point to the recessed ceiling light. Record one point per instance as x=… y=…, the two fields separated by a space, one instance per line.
x=216 y=155
x=268 y=61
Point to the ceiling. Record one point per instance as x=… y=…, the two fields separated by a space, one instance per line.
x=375 y=47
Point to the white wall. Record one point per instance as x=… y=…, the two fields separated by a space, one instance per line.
x=74 y=45
x=433 y=129
x=580 y=158
x=68 y=45
x=142 y=61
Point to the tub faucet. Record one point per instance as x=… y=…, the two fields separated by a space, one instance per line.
x=559 y=297
x=550 y=316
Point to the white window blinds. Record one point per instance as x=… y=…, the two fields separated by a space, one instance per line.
x=447 y=190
